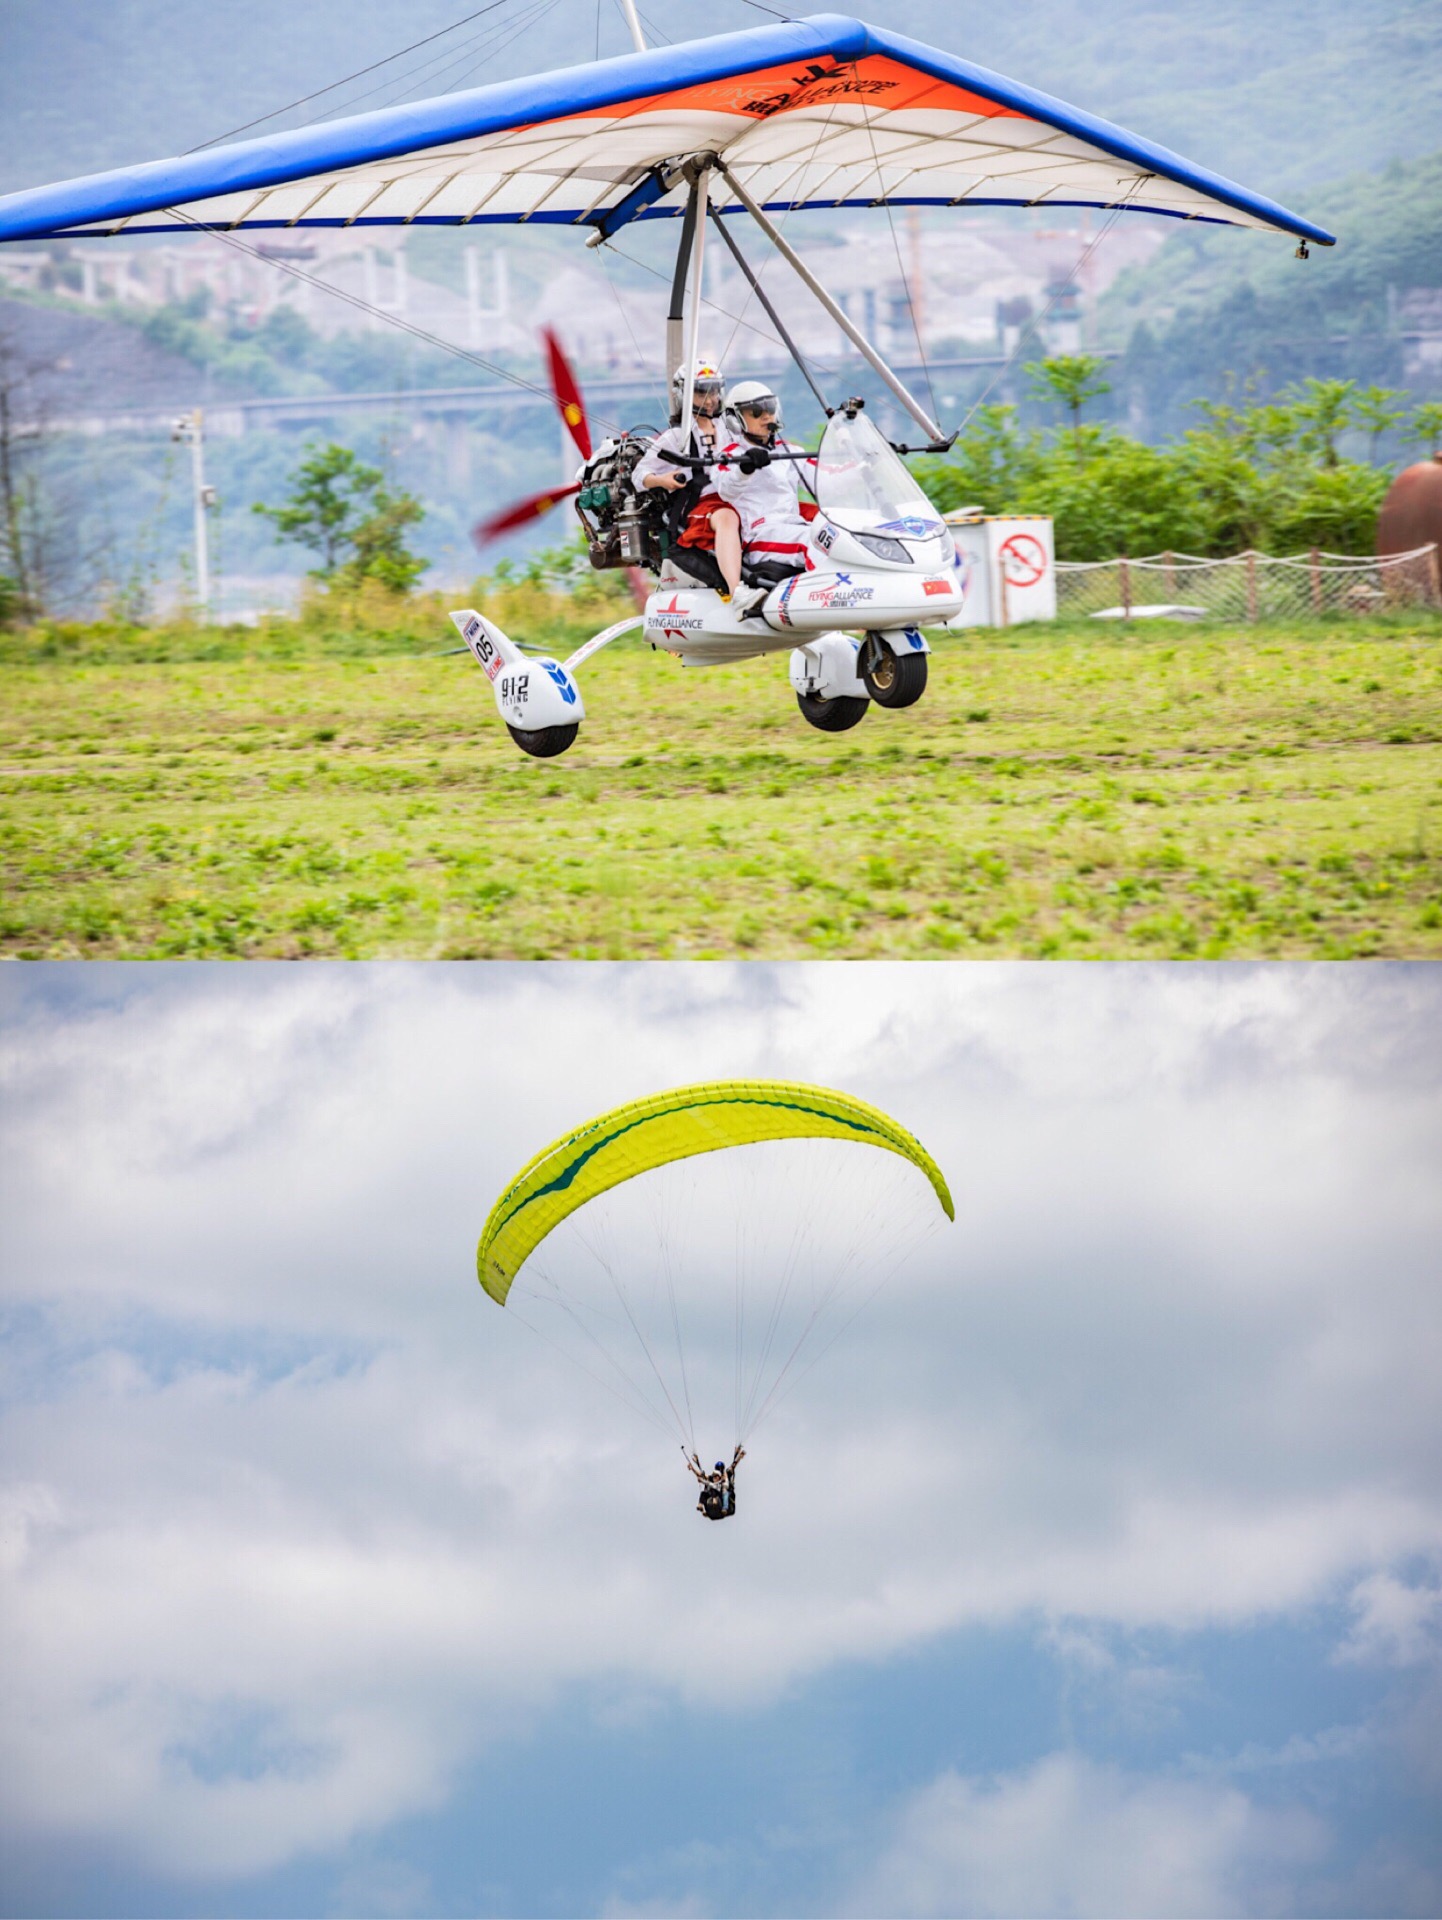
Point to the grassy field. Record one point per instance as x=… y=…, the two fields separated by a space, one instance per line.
x=1059 y=792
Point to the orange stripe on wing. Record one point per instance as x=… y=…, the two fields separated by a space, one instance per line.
x=876 y=81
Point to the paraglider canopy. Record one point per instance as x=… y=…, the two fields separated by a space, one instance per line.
x=666 y=1127
x=822 y=112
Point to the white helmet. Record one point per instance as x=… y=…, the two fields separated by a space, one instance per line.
x=746 y=402
x=708 y=389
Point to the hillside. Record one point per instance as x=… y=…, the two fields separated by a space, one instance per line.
x=1216 y=306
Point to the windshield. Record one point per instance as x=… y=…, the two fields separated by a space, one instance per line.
x=863 y=487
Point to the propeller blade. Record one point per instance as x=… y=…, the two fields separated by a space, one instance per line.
x=568 y=394
x=509 y=518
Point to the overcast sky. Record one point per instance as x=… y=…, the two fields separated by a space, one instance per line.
x=1095 y=1570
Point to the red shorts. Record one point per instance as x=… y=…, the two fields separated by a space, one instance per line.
x=697 y=531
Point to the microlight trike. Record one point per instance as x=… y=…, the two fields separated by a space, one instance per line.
x=822 y=113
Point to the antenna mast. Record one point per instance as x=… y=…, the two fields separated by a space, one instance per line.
x=628 y=7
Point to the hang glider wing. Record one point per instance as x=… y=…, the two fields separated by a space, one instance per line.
x=664 y=1127
x=821 y=112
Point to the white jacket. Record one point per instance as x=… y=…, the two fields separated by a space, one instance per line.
x=768 y=501
x=673 y=440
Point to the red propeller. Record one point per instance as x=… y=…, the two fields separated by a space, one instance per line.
x=495 y=524
x=568 y=394
x=566 y=390
x=572 y=408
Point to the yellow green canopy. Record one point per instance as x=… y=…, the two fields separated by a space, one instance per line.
x=664 y=1127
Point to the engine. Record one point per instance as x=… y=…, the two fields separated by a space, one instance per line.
x=624 y=526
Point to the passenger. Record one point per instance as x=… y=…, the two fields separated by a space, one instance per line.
x=765 y=493
x=697 y=517
x=718 y=1488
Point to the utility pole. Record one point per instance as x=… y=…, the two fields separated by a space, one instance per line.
x=191 y=427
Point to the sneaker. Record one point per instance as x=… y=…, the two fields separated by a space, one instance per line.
x=746 y=599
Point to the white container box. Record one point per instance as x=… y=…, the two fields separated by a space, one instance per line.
x=1005 y=568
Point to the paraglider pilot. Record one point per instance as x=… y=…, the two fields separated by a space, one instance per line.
x=718 y=1488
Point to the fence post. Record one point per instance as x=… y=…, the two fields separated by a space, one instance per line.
x=1169 y=558
x=1251 y=584
x=1316 y=580
x=1124 y=575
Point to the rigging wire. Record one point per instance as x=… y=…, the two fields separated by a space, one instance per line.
x=656 y=34
x=643 y=359
x=901 y=270
x=379 y=313
x=484 y=47
x=724 y=313
x=1118 y=209
x=798 y=172
x=359 y=74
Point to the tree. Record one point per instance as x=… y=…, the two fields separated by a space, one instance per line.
x=378 y=548
x=989 y=463
x=342 y=510
x=1072 y=379
x=1372 y=409
x=20 y=582
x=1323 y=409
x=1427 y=425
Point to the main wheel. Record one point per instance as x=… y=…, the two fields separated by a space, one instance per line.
x=544 y=743
x=832 y=716
x=895 y=680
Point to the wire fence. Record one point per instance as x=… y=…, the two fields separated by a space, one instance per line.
x=1249 y=586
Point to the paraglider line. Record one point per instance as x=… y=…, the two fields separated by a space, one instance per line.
x=564 y=1304
x=635 y=1405
x=775 y=1396
x=778 y=1307
x=668 y=1268
x=626 y=1309
x=857 y=1253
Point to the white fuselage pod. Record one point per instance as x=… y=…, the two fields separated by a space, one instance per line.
x=846 y=590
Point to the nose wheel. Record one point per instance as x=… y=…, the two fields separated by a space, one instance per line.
x=893 y=680
x=544 y=743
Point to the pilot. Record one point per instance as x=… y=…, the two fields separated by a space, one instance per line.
x=766 y=493
x=718 y=1488
x=698 y=519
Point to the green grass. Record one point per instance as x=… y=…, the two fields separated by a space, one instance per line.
x=1059 y=792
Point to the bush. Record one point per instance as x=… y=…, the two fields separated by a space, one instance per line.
x=1263 y=475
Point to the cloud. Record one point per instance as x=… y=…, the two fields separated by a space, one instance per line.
x=1397 y=1623
x=1070 y=1837
x=296 y=1522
